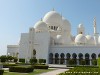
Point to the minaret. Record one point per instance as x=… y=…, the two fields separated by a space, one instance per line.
x=94 y=25
x=95 y=32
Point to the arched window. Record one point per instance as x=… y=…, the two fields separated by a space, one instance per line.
x=74 y=55
x=62 y=55
x=80 y=56
x=51 y=27
x=87 y=56
x=62 y=60
x=99 y=55
x=51 y=58
x=56 y=55
x=87 y=60
x=93 y=56
x=68 y=55
x=56 y=58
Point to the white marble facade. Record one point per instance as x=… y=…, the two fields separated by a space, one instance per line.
x=51 y=38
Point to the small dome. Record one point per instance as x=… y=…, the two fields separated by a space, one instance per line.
x=99 y=40
x=59 y=39
x=53 y=18
x=80 y=39
x=90 y=39
x=40 y=25
x=66 y=25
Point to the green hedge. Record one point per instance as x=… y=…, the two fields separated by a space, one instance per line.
x=22 y=60
x=22 y=69
x=83 y=62
x=42 y=61
x=33 y=61
x=92 y=66
x=9 y=65
x=94 y=62
x=1 y=72
x=40 y=66
x=72 y=62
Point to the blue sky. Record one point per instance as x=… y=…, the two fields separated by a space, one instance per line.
x=16 y=16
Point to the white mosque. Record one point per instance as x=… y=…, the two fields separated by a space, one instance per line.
x=51 y=39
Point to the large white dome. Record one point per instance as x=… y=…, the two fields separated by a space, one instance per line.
x=40 y=25
x=66 y=25
x=53 y=18
x=80 y=39
x=61 y=39
x=99 y=39
x=90 y=40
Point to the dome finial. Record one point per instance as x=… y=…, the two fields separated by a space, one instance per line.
x=94 y=22
x=53 y=9
x=41 y=19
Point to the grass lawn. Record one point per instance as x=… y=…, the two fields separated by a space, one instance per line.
x=82 y=71
x=36 y=71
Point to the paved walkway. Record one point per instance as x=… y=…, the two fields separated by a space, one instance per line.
x=55 y=72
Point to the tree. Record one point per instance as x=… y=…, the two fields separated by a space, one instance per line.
x=9 y=58
x=3 y=58
x=15 y=59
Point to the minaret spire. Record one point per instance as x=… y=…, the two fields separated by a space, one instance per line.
x=94 y=24
x=95 y=32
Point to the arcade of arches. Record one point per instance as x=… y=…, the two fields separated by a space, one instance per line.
x=63 y=58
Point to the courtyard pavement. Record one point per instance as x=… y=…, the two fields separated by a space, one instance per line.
x=55 y=72
x=58 y=69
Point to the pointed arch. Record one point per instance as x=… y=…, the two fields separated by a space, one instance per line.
x=51 y=58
